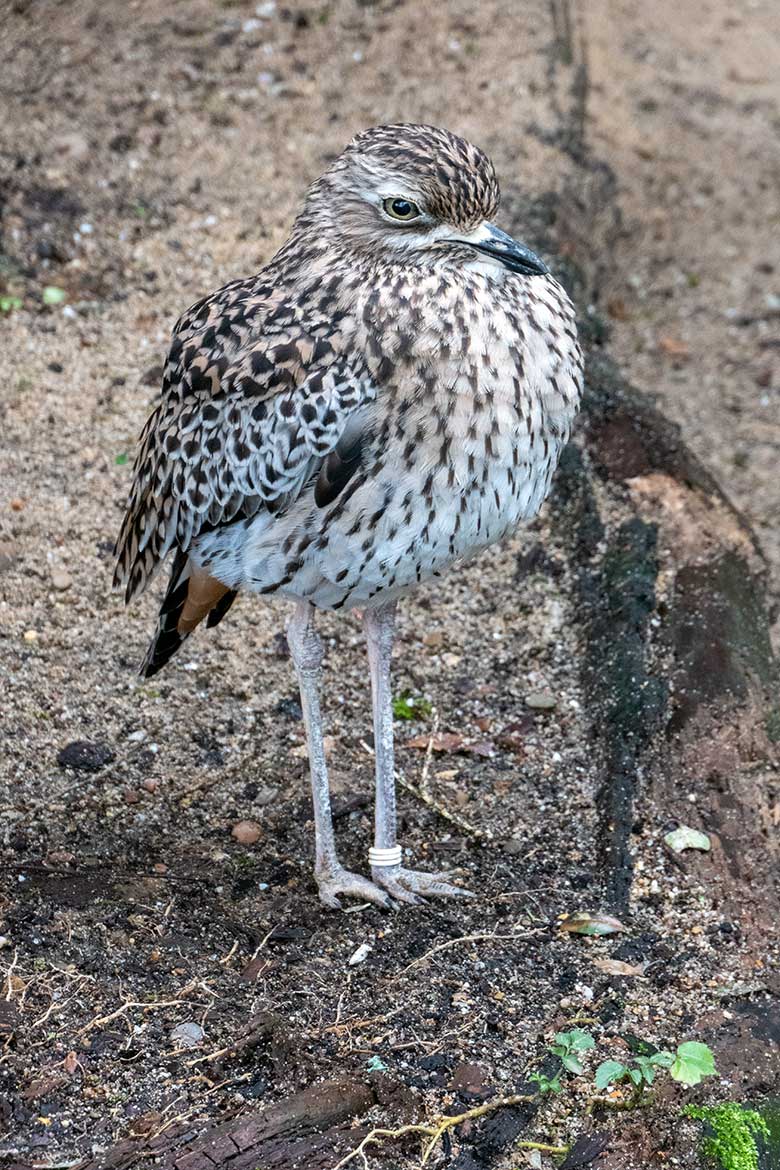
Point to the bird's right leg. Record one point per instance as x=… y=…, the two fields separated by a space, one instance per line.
x=331 y=877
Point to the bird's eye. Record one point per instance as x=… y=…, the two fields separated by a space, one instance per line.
x=402 y=209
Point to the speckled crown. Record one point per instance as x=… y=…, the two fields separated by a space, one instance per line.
x=458 y=178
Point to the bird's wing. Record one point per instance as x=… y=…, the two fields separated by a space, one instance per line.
x=253 y=400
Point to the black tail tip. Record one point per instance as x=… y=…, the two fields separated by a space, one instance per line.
x=161 y=651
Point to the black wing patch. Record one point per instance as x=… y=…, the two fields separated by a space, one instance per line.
x=338 y=468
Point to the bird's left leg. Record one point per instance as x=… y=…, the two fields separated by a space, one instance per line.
x=406 y=885
x=331 y=877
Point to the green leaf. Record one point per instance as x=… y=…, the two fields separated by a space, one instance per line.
x=687 y=838
x=546 y=1084
x=53 y=295
x=609 y=1071
x=122 y=459
x=8 y=302
x=571 y=1063
x=692 y=1063
x=376 y=1064
x=663 y=1059
x=645 y=1066
x=580 y=1041
x=636 y=1076
x=409 y=706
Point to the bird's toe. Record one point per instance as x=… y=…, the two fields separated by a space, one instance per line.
x=414 y=886
x=351 y=885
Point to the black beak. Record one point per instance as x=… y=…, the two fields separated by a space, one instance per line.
x=514 y=256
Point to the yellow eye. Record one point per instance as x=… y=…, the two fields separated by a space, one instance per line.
x=402 y=209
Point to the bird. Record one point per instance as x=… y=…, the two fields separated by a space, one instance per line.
x=389 y=395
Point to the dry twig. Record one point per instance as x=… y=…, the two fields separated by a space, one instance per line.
x=99 y=1021
x=483 y=936
x=436 y=1130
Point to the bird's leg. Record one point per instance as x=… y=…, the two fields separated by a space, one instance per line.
x=331 y=877
x=406 y=885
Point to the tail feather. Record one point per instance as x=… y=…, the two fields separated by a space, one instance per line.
x=192 y=595
x=220 y=609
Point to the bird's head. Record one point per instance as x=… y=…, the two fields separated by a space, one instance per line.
x=414 y=195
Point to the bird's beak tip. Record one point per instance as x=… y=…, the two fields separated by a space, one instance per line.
x=492 y=241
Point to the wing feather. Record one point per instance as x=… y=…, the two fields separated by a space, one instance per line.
x=253 y=399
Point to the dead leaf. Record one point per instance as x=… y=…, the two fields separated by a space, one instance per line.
x=584 y=922
x=451 y=741
x=673 y=347
x=71 y=1063
x=616 y=967
x=442 y=741
x=685 y=837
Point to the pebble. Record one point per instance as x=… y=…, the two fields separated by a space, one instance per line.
x=61 y=580
x=30 y=635
x=8 y=554
x=360 y=955
x=541 y=701
x=246 y=832
x=266 y=796
x=514 y=846
x=85 y=756
x=188 y=1035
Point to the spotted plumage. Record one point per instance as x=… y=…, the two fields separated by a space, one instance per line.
x=388 y=395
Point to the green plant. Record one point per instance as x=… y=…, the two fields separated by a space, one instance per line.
x=567 y=1047
x=732 y=1143
x=640 y=1071
x=409 y=706
x=52 y=295
x=546 y=1084
x=7 y=303
x=693 y=1062
x=568 y=1044
x=689 y=1065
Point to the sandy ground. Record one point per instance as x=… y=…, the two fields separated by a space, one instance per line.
x=147 y=157
x=684 y=107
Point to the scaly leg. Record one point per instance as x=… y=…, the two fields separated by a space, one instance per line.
x=406 y=885
x=331 y=877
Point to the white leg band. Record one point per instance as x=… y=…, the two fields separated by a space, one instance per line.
x=384 y=857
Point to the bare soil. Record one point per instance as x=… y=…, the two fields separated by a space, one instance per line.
x=148 y=154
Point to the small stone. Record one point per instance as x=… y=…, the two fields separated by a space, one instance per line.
x=246 y=832
x=85 y=756
x=8 y=554
x=132 y=796
x=30 y=635
x=513 y=846
x=17 y=504
x=541 y=701
x=266 y=796
x=360 y=955
x=60 y=857
x=61 y=580
x=188 y=1035
x=150 y=785
x=160 y=867
x=434 y=639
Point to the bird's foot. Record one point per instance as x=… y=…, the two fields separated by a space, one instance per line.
x=333 y=882
x=412 y=885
